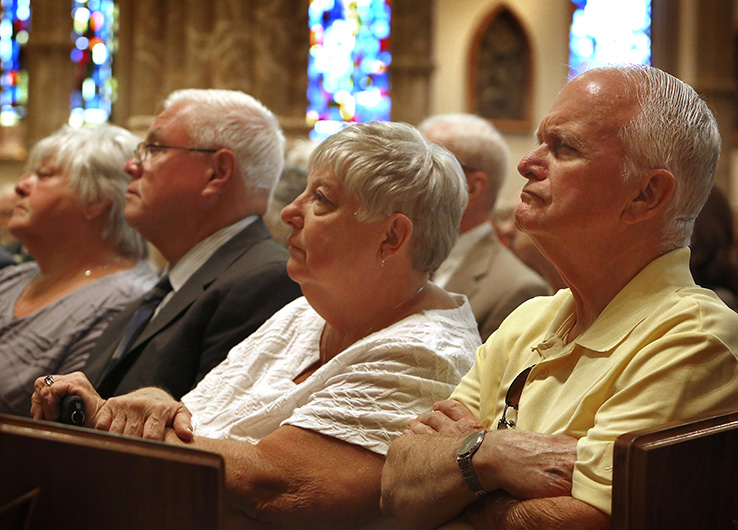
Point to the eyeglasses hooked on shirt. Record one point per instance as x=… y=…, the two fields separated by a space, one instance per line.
x=512 y=398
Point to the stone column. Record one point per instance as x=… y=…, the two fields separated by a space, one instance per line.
x=411 y=66
x=693 y=40
x=140 y=63
x=49 y=66
x=715 y=77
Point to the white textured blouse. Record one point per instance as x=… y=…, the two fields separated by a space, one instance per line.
x=364 y=396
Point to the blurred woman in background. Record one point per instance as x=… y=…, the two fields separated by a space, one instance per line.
x=714 y=262
x=88 y=261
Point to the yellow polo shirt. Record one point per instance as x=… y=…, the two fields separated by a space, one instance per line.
x=662 y=350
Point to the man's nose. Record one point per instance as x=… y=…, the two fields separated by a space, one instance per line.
x=133 y=167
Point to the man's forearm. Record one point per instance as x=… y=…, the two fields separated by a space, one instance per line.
x=421 y=482
x=299 y=478
x=500 y=511
x=422 y=485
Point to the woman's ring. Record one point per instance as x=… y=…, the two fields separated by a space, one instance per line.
x=49 y=380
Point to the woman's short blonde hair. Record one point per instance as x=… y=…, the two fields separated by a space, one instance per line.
x=394 y=169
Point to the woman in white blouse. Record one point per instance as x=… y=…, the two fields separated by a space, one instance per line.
x=304 y=409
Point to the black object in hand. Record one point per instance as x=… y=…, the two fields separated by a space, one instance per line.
x=72 y=410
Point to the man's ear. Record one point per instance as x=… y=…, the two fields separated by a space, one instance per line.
x=657 y=187
x=477 y=184
x=223 y=170
x=397 y=235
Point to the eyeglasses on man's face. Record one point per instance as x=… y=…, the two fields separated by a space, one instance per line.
x=512 y=398
x=143 y=150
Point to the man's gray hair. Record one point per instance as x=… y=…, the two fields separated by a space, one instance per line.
x=476 y=144
x=234 y=120
x=93 y=158
x=673 y=129
x=394 y=169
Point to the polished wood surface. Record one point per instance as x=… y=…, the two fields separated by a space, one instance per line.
x=682 y=476
x=73 y=478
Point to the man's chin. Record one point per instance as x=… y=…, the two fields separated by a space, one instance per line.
x=132 y=216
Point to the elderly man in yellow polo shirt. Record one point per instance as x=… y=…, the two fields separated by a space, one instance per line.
x=625 y=160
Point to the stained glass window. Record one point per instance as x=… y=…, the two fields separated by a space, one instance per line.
x=603 y=31
x=94 y=44
x=348 y=78
x=15 y=23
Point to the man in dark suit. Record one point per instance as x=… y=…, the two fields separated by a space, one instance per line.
x=200 y=183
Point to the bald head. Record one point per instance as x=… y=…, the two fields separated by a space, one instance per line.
x=475 y=143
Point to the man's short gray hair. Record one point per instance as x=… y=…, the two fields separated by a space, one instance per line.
x=394 y=169
x=476 y=144
x=234 y=120
x=673 y=129
x=93 y=158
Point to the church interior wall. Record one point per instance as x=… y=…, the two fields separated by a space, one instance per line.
x=261 y=46
x=547 y=25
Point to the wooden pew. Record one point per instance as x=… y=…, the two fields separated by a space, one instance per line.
x=61 y=477
x=681 y=476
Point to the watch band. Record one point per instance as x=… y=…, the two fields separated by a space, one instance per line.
x=464 y=458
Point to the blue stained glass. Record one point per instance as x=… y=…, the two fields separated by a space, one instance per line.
x=348 y=76
x=94 y=37
x=15 y=23
x=603 y=31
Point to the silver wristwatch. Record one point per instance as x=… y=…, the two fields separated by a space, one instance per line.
x=464 y=458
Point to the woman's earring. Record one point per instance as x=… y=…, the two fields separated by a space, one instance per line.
x=382 y=264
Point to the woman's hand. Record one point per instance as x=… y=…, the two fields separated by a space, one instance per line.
x=448 y=417
x=146 y=413
x=47 y=397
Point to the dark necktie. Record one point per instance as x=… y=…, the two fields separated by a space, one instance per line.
x=142 y=316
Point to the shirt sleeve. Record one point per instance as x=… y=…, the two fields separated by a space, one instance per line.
x=676 y=378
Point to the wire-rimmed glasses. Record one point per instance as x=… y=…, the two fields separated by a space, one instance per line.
x=143 y=150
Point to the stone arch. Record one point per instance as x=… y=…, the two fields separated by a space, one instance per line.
x=500 y=71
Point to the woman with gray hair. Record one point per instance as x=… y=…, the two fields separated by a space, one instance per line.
x=304 y=409
x=88 y=261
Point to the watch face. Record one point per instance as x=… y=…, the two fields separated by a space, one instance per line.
x=471 y=443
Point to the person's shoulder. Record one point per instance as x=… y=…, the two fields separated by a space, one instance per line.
x=532 y=318
x=257 y=240
x=509 y=271
x=704 y=310
x=294 y=318
x=112 y=292
x=262 y=264
x=141 y=276
x=6 y=259
x=539 y=305
x=27 y=269
x=454 y=328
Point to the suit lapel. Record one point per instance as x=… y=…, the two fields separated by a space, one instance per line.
x=193 y=288
x=475 y=266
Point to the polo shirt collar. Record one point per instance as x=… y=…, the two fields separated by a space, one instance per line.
x=636 y=301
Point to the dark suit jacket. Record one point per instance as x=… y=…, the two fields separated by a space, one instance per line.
x=223 y=302
x=5 y=258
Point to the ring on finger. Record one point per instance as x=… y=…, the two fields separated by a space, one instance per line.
x=49 y=380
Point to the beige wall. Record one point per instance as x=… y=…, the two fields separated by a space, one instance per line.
x=547 y=25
